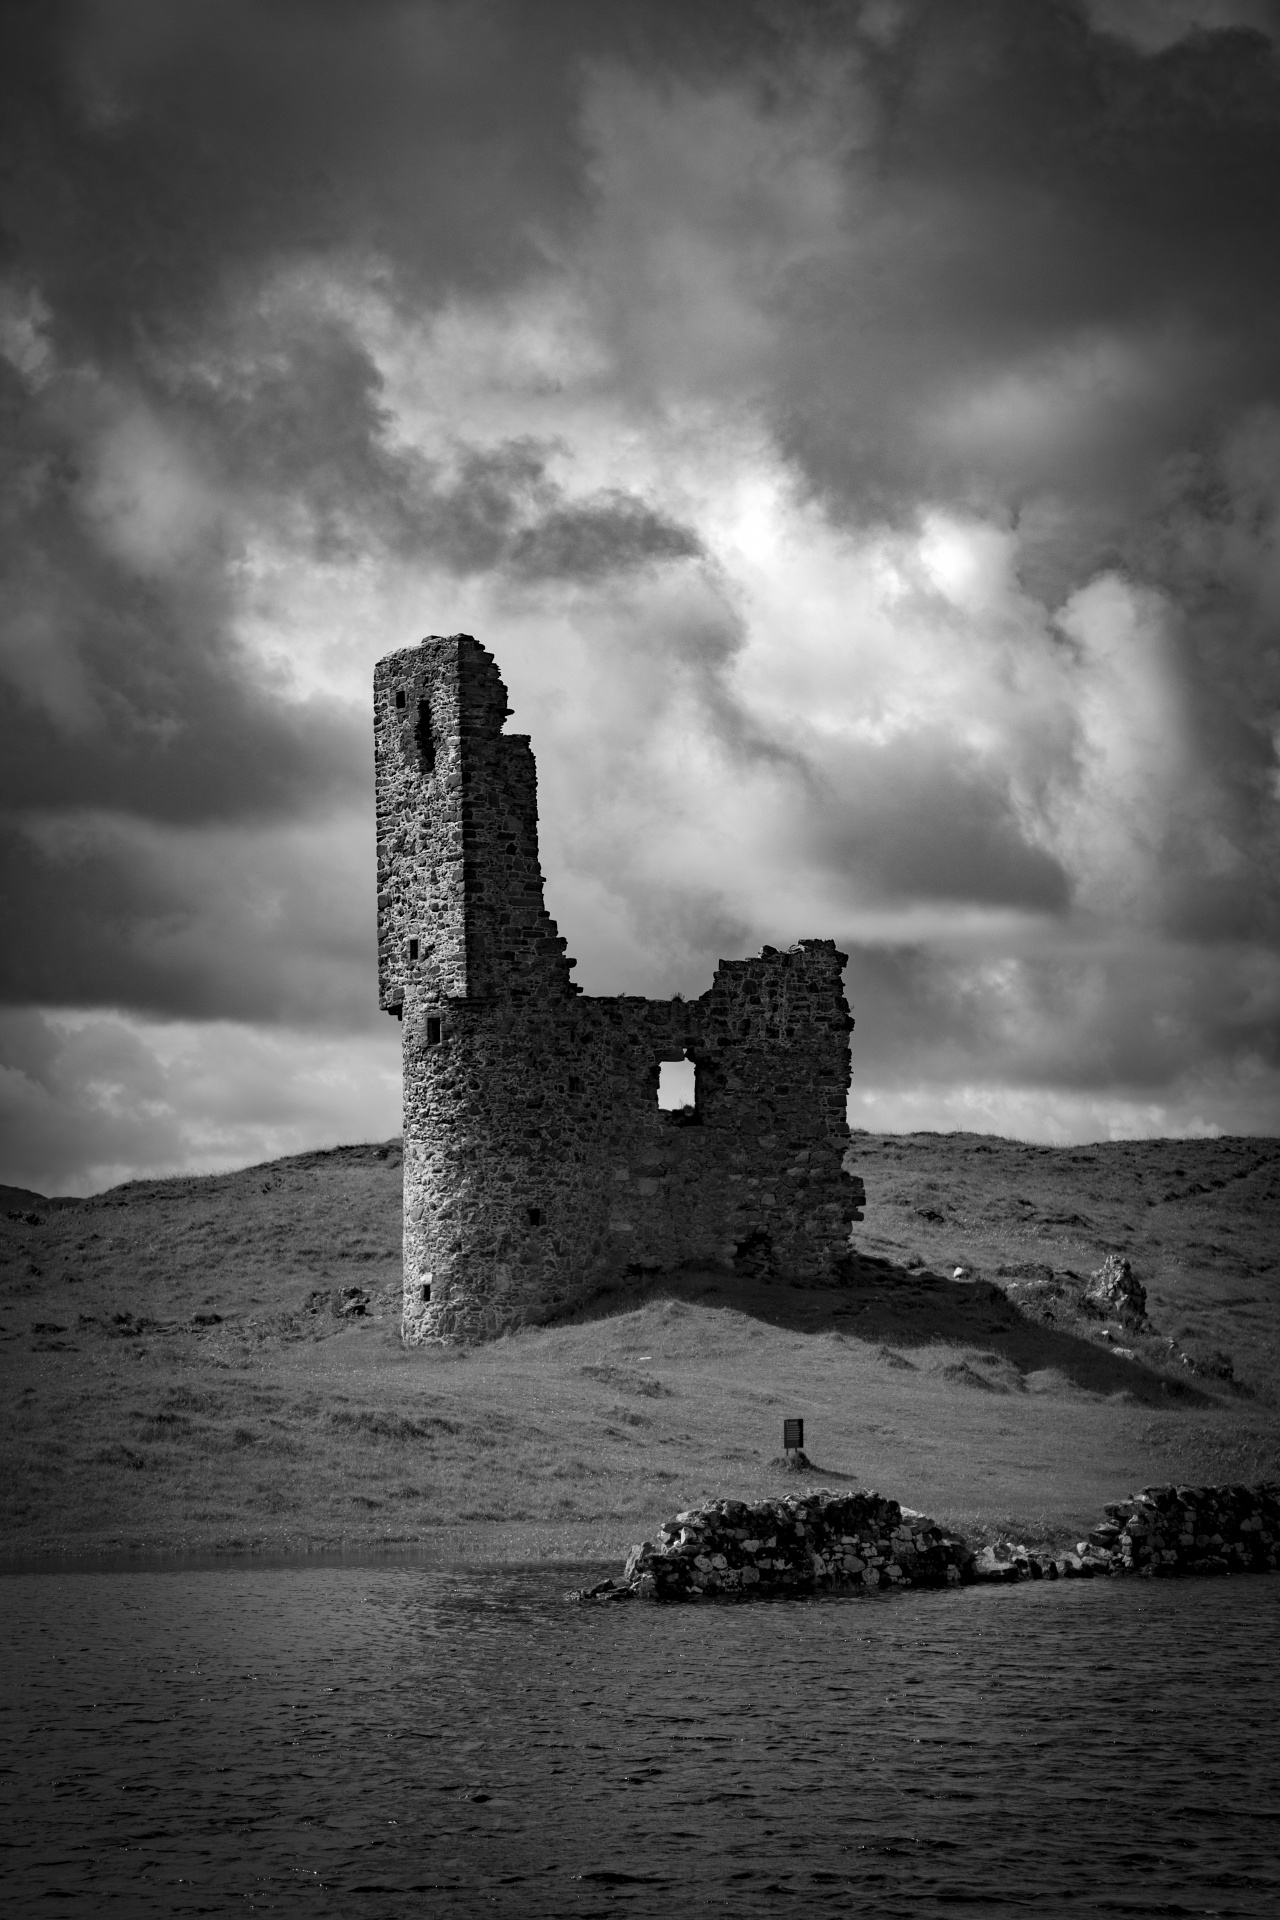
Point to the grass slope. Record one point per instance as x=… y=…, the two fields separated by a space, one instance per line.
x=175 y=1374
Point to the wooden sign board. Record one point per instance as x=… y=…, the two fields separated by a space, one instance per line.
x=792 y=1435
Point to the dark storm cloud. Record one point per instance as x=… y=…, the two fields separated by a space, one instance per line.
x=1211 y=542
x=89 y=1100
x=1060 y=299
x=153 y=709
x=1034 y=177
x=1049 y=295
x=160 y=161
x=111 y=911
x=882 y=843
x=185 y=146
x=1157 y=1016
x=159 y=152
x=609 y=535
x=124 y=686
x=301 y=418
x=1038 y=181
x=131 y=694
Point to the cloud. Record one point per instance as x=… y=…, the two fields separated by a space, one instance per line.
x=609 y=535
x=1045 y=273
x=1046 y=1114
x=853 y=429
x=1140 y=1017
x=89 y=1099
x=273 y=923
x=1154 y=25
x=118 y=649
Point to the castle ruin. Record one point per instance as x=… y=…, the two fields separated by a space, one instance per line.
x=538 y=1165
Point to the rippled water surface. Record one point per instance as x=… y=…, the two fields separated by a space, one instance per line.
x=386 y=1741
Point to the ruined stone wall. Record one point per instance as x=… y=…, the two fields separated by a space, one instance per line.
x=819 y=1539
x=418 y=778
x=797 y=1544
x=537 y=1163
x=460 y=910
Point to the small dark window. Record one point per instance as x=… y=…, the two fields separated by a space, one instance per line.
x=426 y=1293
x=433 y=1029
x=413 y=949
x=535 y=1216
x=422 y=736
x=399 y=696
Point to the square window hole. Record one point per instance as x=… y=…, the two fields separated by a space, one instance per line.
x=433 y=1029
x=413 y=949
x=399 y=696
x=676 y=1084
x=535 y=1216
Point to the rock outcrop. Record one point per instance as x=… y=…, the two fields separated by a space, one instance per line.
x=1115 y=1293
x=1112 y=1292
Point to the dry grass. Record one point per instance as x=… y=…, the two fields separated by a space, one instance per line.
x=1199 y=1219
x=134 y=1419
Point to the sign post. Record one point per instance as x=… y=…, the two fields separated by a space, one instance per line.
x=793 y=1440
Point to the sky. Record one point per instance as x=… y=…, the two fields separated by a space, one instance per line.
x=854 y=427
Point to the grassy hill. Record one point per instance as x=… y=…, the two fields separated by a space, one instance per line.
x=212 y=1364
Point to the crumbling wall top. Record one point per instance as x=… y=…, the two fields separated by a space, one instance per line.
x=460 y=889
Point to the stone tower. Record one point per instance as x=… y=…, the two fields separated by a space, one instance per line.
x=537 y=1164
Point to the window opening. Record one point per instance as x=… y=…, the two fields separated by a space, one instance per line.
x=413 y=949
x=433 y=1029
x=399 y=696
x=677 y=1085
x=535 y=1216
x=426 y=1293
x=422 y=736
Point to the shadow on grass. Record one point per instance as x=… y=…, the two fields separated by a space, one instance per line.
x=881 y=1302
x=810 y=1473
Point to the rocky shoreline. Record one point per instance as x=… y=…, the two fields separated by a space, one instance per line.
x=806 y=1543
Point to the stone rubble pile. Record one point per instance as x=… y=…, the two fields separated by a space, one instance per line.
x=793 y=1545
x=1112 y=1292
x=819 y=1539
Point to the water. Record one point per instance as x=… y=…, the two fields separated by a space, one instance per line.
x=383 y=1741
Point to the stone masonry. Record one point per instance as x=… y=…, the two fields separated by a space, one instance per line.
x=538 y=1166
x=821 y=1539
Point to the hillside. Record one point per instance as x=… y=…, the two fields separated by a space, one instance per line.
x=213 y=1363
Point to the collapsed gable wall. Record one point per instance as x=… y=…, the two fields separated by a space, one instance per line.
x=537 y=1163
